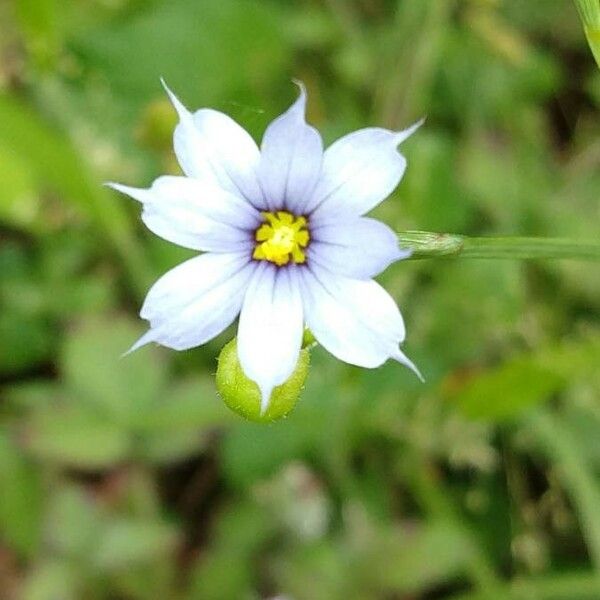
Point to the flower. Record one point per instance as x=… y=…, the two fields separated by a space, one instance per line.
x=284 y=242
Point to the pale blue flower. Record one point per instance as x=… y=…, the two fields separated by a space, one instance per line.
x=284 y=241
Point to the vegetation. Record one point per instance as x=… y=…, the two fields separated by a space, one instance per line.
x=129 y=479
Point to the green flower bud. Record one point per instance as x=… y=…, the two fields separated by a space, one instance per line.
x=308 y=339
x=242 y=395
x=590 y=15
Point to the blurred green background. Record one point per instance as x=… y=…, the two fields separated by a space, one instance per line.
x=127 y=479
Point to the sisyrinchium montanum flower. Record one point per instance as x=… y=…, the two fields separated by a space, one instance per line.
x=284 y=242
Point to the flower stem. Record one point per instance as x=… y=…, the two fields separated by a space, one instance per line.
x=425 y=244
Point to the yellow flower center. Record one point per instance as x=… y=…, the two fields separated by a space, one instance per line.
x=283 y=237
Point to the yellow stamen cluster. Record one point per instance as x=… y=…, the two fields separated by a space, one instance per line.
x=283 y=237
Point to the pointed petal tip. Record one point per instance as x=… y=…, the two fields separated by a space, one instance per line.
x=139 y=194
x=113 y=185
x=404 y=360
x=182 y=111
x=301 y=100
x=403 y=135
x=145 y=339
x=300 y=84
x=119 y=188
x=265 y=398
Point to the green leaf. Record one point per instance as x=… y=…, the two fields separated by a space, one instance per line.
x=239 y=45
x=97 y=374
x=21 y=501
x=72 y=523
x=20 y=292
x=77 y=438
x=407 y=561
x=54 y=162
x=562 y=586
x=40 y=22
x=127 y=542
x=519 y=384
x=508 y=390
x=226 y=570
x=171 y=446
x=191 y=404
x=36 y=395
x=222 y=575
x=19 y=204
x=330 y=575
x=26 y=341
x=433 y=176
x=500 y=298
x=50 y=581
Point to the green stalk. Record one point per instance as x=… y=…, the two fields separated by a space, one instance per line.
x=426 y=244
x=578 y=478
x=589 y=10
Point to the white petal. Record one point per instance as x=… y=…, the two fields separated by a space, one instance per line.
x=357 y=321
x=271 y=328
x=291 y=156
x=196 y=300
x=212 y=147
x=196 y=215
x=359 y=248
x=359 y=171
